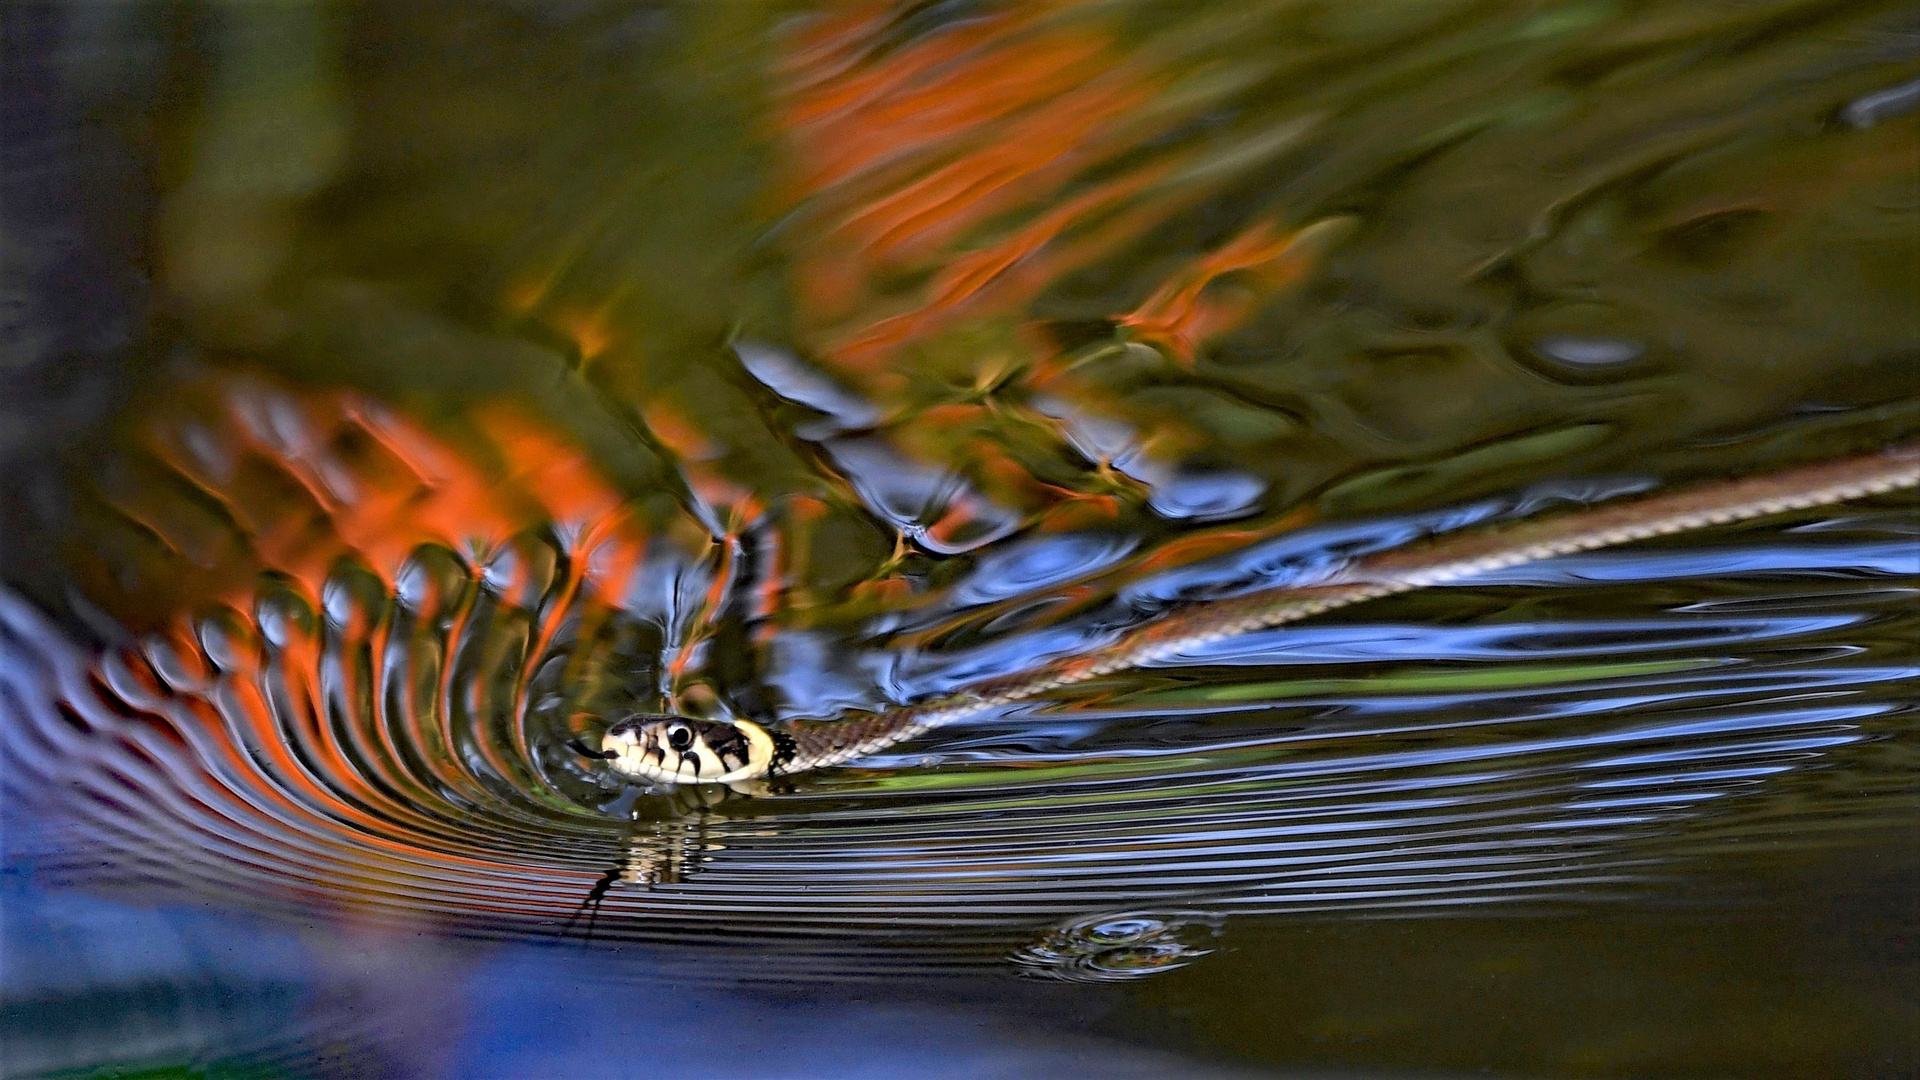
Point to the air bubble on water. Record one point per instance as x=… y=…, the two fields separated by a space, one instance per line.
x=1590 y=352
x=1117 y=947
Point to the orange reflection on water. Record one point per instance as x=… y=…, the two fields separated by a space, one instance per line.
x=945 y=181
x=908 y=154
x=265 y=690
x=1186 y=312
x=304 y=479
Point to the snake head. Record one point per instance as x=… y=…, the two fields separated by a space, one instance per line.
x=679 y=750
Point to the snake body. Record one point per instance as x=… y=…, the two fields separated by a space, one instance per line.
x=680 y=750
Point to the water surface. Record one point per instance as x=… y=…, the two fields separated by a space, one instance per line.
x=400 y=391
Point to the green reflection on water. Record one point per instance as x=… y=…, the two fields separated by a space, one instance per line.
x=1516 y=677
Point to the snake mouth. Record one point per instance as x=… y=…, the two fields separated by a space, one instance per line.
x=679 y=750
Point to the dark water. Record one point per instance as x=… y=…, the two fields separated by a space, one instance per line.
x=396 y=391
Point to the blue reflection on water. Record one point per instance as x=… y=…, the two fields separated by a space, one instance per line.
x=91 y=984
x=1508 y=641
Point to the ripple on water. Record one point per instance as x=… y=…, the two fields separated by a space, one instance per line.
x=380 y=732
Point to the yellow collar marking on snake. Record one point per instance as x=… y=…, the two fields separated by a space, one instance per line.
x=677 y=750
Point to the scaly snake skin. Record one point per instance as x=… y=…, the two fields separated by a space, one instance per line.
x=807 y=745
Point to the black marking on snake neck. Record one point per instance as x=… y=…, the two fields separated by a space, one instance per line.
x=784 y=751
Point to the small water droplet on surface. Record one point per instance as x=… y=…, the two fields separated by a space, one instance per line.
x=1590 y=352
x=1120 y=947
x=283 y=616
x=1867 y=110
x=183 y=670
x=227 y=641
x=1207 y=495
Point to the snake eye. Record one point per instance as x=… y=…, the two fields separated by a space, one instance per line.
x=679 y=736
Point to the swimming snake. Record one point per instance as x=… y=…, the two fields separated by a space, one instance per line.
x=682 y=750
